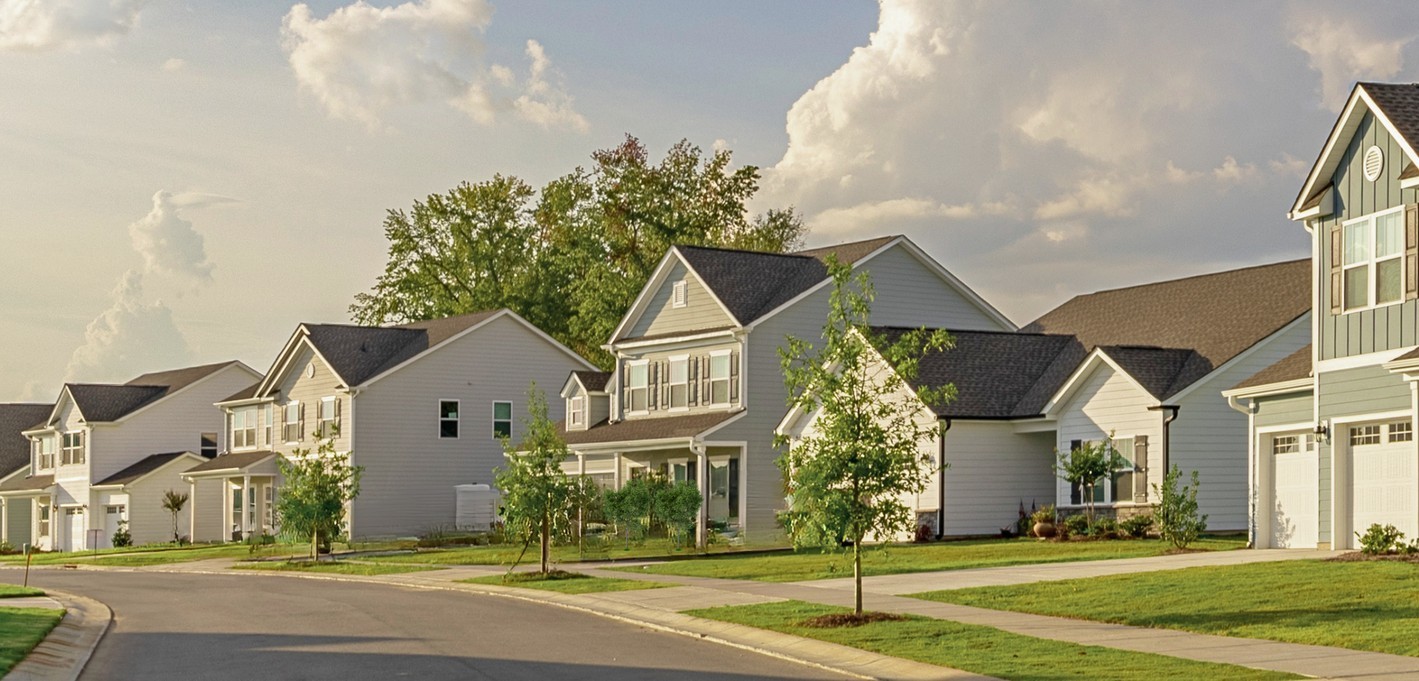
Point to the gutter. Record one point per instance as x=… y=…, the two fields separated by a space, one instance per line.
x=1168 y=418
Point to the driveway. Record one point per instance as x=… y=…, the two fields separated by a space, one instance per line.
x=265 y=628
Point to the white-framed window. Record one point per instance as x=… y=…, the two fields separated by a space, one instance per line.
x=268 y=425
x=207 y=446
x=448 y=419
x=1365 y=435
x=291 y=422
x=325 y=421
x=679 y=381
x=43 y=452
x=638 y=385
x=244 y=428
x=1118 y=486
x=42 y=524
x=72 y=451
x=1292 y=443
x=1373 y=260
x=719 y=378
x=1401 y=431
x=270 y=515
x=576 y=414
x=678 y=293
x=502 y=420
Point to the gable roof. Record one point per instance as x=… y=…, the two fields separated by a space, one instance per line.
x=27 y=483
x=593 y=381
x=231 y=462
x=14 y=446
x=1158 y=370
x=1216 y=316
x=1396 y=107
x=1294 y=366
x=141 y=469
x=106 y=402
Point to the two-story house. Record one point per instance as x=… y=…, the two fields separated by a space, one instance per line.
x=422 y=407
x=104 y=454
x=698 y=389
x=1332 y=426
x=15 y=419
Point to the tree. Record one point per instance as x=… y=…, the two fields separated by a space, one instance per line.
x=1084 y=467
x=316 y=486
x=173 y=502
x=846 y=478
x=1178 y=521
x=570 y=257
x=538 y=499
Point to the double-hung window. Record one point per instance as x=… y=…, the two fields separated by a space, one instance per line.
x=208 y=446
x=448 y=419
x=44 y=452
x=679 y=382
x=42 y=526
x=325 y=418
x=1123 y=475
x=244 y=428
x=502 y=420
x=575 y=411
x=1115 y=487
x=291 y=422
x=719 y=379
x=268 y=416
x=638 y=385
x=1373 y=260
x=73 y=448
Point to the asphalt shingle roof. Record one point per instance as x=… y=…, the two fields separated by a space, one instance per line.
x=28 y=483
x=232 y=461
x=1400 y=104
x=653 y=428
x=103 y=402
x=359 y=353
x=144 y=466
x=1294 y=366
x=594 y=381
x=1156 y=369
x=14 y=420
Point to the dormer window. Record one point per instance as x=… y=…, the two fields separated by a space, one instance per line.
x=576 y=411
x=678 y=293
x=1373 y=260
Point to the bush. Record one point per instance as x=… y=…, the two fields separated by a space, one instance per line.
x=6 y=548
x=1137 y=526
x=1381 y=539
x=121 y=536
x=440 y=536
x=1178 y=520
x=1104 y=528
x=1075 y=525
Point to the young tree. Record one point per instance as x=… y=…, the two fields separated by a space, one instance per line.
x=538 y=499
x=1178 y=520
x=315 y=488
x=173 y=502
x=846 y=479
x=1084 y=467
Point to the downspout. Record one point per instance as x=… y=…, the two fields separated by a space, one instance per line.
x=1252 y=466
x=1170 y=415
x=941 y=478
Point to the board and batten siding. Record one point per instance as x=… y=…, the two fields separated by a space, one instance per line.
x=1347 y=393
x=1108 y=403
x=992 y=472
x=1384 y=328
x=410 y=472
x=910 y=294
x=661 y=316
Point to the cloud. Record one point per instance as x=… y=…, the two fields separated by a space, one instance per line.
x=130 y=337
x=70 y=24
x=168 y=242
x=361 y=60
x=174 y=64
x=1345 y=47
x=844 y=220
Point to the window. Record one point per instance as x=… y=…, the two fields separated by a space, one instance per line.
x=1123 y=476
x=719 y=379
x=1373 y=260
x=678 y=293
x=325 y=423
x=637 y=385
x=44 y=452
x=448 y=419
x=244 y=428
x=73 y=448
x=268 y=418
x=42 y=527
x=291 y=423
x=270 y=519
x=208 y=446
x=575 y=407
x=679 y=382
x=1292 y=443
x=502 y=420
x=1401 y=431
x=1364 y=435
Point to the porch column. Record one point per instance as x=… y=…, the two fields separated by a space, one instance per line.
x=580 y=464
x=192 y=510
x=617 y=479
x=4 y=521
x=702 y=478
x=227 y=519
x=245 y=506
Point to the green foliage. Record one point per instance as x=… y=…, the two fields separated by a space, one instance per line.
x=1137 y=526
x=649 y=502
x=1076 y=525
x=173 y=501
x=315 y=488
x=122 y=537
x=846 y=479
x=1103 y=528
x=570 y=257
x=538 y=503
x=1178 y=520
x=1380 y=540
x=1086 y=466
x=1046 y=514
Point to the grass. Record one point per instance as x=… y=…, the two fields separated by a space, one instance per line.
x=338 y=567
x=1363 y=606
x=904 y=558
x=153 y=554
x=17 y=591
x=504 y=554
x=21 y=629
x=978 y=649
x=565 y=582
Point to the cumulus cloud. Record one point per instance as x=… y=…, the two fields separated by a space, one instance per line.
x=168 y=242
x=361 y=60
x=71 y=24
x=174 y=64
x=1345 y=46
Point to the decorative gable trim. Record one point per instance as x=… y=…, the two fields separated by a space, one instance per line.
x=658 y=279
x=287 y=355
x=1329 y=158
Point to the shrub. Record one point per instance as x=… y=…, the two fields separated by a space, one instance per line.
x=1104 y=528
x=6 y=548
x=1075 y=525
x=1137 y=526
x=1380 y=540
x=121 y=536
x=1178 y=520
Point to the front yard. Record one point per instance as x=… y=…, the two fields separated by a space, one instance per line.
x=897 y=559
x=21 y=629
x=565 y=582
x=505 y=554
x=156 y=554
x=1361 y=605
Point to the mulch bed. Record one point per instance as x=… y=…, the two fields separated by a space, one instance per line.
x=551 y=576
x=1358 y=557
x=849 y=620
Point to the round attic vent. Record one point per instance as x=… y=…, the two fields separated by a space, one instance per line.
x=1374 y=163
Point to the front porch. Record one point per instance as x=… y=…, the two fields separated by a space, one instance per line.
x=29 y=510
x=233 y=497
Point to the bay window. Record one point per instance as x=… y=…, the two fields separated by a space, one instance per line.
x=244 y=428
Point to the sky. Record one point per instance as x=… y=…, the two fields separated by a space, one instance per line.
x=186 y=182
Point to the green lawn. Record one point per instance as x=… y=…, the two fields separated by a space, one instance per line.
x=338 y=567
x=504 y=554
x=17 y=591
x=897 y=559
x=1364 y=606
x=21 y=629
x=156 y=554
x=982 y=650
x=567 y=583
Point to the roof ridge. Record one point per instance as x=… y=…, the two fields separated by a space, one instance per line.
x=1190 y=277
x=884 y=237
x=744 y=251
x=994 y=332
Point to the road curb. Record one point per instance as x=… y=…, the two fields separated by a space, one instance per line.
x=62 y=655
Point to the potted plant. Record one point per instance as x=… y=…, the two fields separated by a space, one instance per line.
x=1043 y=520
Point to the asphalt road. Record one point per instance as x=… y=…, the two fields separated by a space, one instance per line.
x=268 y=628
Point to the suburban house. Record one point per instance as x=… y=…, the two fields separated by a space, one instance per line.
x=1332 y=426
x=15 y=419
x=1143 y=365
x=104 y=454
x=422 y=407
x=698 y=390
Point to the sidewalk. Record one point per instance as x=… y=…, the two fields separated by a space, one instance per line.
x=62 y=654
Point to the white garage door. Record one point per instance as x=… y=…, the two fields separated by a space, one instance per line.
x=1295 y=511
x=74 y=518
x=1384 y=475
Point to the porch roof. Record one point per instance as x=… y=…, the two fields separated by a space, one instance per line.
x=235 y=462
x=643 y=429
x=32 y=483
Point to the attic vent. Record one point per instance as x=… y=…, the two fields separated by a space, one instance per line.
x=677 y=297
x=1374 y=163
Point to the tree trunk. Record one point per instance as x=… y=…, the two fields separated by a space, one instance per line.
x=546 y=542
x=857 y=575
x=315 y=545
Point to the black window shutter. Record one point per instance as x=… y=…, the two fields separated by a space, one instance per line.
x=734 y=377
x=1337 y=289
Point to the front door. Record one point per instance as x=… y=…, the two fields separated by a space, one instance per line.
x=74 y=523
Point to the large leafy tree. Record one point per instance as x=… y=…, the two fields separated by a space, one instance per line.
x=315 y=488
x=846 y=478
x=539 y=501
x=572 y=256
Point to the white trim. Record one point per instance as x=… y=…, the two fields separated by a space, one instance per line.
x=1294 y=386
x=438 y=428
x=670 y=384
x=627 y=408
x=679 y=294
x=1372 y=262
x=288 y=353
x=1286 y=428
x=491 y=318
x=1087 y=367
x=1409 y=183
x=300 y=422
x=1241 y=357
x=708 y=399
x=669 y=340
x=1357 y=361
x=1345 y=127
x=658 y=277
x=493 y=421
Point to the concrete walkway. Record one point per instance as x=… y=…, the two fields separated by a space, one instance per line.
x=62 y=654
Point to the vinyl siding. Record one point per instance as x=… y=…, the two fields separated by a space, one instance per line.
x=1393 y=326
x=17 y=520
x=1281 y=410
x=410 y=472
x=147 y=521
x=296 y=386
x=1352 y=392
x=910 y=294
x=700 y=310
x=72 y=481
x=699 y=351
x=993 y=472
x=1109 y=403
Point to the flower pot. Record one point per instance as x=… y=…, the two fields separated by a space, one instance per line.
x=1044 y=530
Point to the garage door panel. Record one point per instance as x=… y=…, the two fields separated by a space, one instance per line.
x=1296 y=500
x=1386 y=482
